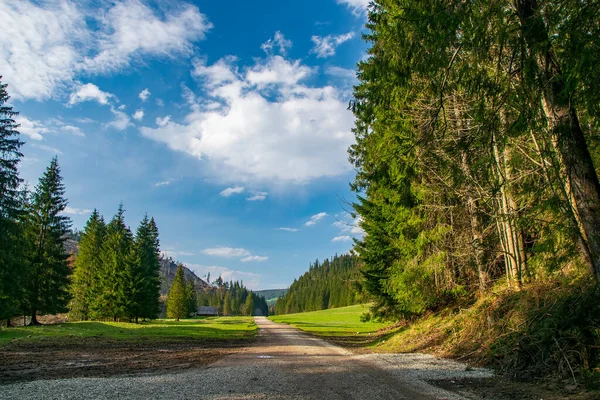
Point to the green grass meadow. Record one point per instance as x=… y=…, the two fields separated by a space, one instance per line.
x=335 y=322
x=219 y=328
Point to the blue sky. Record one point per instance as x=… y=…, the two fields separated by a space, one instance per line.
x=225 y=120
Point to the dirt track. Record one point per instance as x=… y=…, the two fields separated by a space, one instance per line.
x=283 y=364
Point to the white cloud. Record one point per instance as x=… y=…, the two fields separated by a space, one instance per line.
x=325 y=46
x=254 y=258
x=144 y=94
x=38 y=46
x=49 y=149
x=288 y=229
x=121 y=121
x=35 y=129
x=344 y=238
x=227 y=252
x=257 y=196
x=131 y=29
x=315 y=218
x=251 y=280
x=45 y=45
x=30 y=128
x=73 y=130
x=162 y=122
x=264 y=124
x=344 y=73
x=164 y=183
x=170 y=252
x=231 y=191
x=77 y=211
x=278 y=42
x=89 y=92
x=349 y=225
x=358 y=7
x=138 y=115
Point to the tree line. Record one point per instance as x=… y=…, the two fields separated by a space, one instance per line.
x=476 y=149
x=115 y=274
x=229 y=298
x=328 y=284
x=232 y=298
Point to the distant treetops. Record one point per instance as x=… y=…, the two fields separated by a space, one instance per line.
x=328 y=284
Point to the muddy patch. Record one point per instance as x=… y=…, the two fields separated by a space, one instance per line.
x=96 y=358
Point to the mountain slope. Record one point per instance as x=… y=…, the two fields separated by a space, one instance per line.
x=168 y=267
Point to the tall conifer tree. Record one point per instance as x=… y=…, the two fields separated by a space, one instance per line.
x=11 y=255
x=47 y=280
x=177 y=304
x=147 y=258
x=192 y=296
x=87 y=268
x=116 y=257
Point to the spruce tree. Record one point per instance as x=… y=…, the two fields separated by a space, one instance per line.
x=227 y=304
x=177 y=302
x=11 y=254
x=117 y=256
x=87 y=268
x=192 y=297
x=249 y=304
x=47 y=280
x=147 y=257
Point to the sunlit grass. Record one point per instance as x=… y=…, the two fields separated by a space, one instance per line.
x=197 y=328
x=343 y=321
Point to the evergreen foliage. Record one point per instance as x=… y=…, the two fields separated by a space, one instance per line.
x=474 y=124
x=87 y=268
x=145 y=280
x=329 y=284
x=116 y=275
x=117 y=270
x=232 y=298
x=47 y=270
x=248 y=308
x=11 y=210
x=178 y=300
x=191 y=296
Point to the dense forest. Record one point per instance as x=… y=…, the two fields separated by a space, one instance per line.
x=327 y=284
x=233 y=298
x=477 y=127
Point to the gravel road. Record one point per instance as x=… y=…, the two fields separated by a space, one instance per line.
x=284 y=364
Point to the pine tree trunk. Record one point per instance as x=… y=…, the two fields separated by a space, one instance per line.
x=512 y=208
x=506 y=224
x=577 y=169
x=34 y=320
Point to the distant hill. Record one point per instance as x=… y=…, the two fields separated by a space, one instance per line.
x=327 y=284
x=271 y=295
x=168 y=267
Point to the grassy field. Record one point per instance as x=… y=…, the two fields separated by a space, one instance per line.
x=334 y=323
x=220 y=328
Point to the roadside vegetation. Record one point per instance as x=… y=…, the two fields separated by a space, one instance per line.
x=476 y=162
